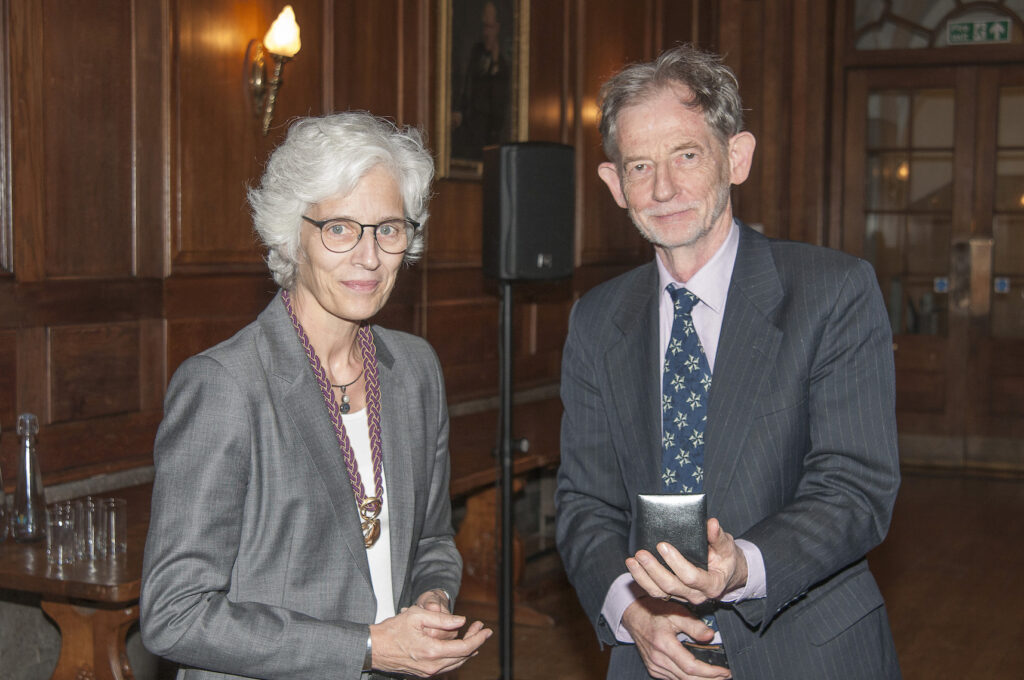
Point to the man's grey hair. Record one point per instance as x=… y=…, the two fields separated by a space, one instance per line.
x=714 y=88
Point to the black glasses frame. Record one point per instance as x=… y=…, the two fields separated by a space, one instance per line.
x=320 y=224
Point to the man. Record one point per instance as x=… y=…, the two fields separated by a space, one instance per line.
x=797 y=453
x=480 y=117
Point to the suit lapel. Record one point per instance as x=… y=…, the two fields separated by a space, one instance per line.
x=396 y=447
x=749 y=343
x=634 y=371
x=297 y=394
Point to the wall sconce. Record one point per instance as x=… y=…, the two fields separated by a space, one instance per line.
x=282 y=42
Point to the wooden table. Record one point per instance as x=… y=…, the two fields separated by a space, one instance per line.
x=94 y=604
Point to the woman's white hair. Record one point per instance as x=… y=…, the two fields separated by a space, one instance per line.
x=325 y=156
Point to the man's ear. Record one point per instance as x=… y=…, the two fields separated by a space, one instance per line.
x=741 y=156
x=610 y=175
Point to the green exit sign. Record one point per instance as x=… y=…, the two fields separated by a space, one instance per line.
x=975 y=32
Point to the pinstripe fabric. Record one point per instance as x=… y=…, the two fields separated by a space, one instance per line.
x=800 y=453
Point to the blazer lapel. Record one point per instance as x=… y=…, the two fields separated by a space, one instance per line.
x=398 y=471
x=748 y=344
x=297 y=394
x=634 y=371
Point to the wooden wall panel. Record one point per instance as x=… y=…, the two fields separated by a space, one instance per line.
x=94 y=371
x=53 y=303
x=219 y=147
x=28 y=207
x=8 y=378
x=551 y=111
x=6 y=254
x=455 y=230
x=186 y=337
x=87 y=154
x=83 y=448
x=368 y=62
x=8 y=403
x=605 y=232
x=786 y=90
x=402 y=311
x=465 y=335
x=151 y=117
x=202 y=311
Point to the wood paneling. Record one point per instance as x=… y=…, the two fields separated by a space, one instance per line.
x=94 y=371
x=454 y=233
x=219 y=147
x=87 y=155
x=604 y=233
x=6 y=255
x=369 y=74
x=26 y=45
x=465 y=336
x=151 y=117
x=551 y=112
x=131 y=241
x=202 y=311
x=50 y=303
x=8 y=374
x=186 y=337
x=786 y=88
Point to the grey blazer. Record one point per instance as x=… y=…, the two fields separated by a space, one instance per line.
x=800 y=453
x=254 y=563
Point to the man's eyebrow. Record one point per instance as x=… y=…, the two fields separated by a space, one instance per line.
x=686 y=145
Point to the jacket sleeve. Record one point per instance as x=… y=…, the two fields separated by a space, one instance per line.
x=592 y=504
x=849 y=468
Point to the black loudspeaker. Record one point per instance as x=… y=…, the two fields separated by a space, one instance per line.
x=528 y=211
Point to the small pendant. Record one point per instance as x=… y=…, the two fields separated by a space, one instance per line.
x=345 y=408
x=371 y=531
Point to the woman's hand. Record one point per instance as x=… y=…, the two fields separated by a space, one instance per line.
x=436 y=600
x=423 y=640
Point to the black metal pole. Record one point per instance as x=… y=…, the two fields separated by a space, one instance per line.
x=505 y=426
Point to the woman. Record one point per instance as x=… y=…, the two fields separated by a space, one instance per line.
x=301 y=523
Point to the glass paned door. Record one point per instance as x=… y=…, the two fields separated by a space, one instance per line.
x=908 y=203
x=933 y=197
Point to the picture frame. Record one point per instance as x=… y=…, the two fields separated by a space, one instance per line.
x=483 y=76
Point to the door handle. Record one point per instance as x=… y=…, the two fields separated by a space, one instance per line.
x=981 y=275
x=970 y=277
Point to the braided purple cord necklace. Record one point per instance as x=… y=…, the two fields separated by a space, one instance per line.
x=369 y=506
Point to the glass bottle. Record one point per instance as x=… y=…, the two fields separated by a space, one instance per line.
x=29 y=513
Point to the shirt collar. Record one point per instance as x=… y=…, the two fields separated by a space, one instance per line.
x=711 y=282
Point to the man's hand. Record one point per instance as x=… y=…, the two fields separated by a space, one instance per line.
x=727 y=570
x=423 y=640
x=654 y=625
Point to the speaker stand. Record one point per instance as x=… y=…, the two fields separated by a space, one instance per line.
x=505 y=351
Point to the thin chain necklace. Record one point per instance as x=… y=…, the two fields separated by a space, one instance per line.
x=345 y=407
x=369 y=506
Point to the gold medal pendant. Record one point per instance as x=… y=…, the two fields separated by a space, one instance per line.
x=369 y=510
x=371 y=531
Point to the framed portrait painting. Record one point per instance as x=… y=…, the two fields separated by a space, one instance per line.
x=483 y=61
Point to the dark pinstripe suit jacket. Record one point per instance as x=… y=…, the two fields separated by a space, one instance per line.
x=800 y=453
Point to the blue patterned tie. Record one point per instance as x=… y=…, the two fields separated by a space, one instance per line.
x=684 y=401
x=684 y=406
